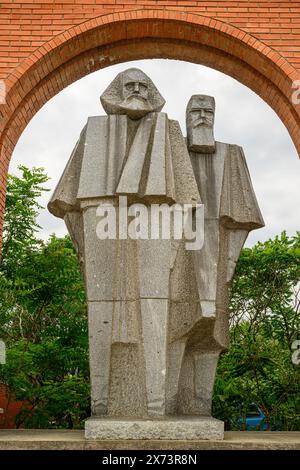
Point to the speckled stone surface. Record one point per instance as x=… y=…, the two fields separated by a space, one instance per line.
x=169 y=428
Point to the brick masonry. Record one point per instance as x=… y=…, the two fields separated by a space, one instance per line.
x=45 y=45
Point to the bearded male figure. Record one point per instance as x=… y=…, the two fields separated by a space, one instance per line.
x=230 y=213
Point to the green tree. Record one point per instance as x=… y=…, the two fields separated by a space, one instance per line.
x=265 y=321
x=42 y=315
x=20 y=222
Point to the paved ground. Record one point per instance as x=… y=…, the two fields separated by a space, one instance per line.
x=44 y=439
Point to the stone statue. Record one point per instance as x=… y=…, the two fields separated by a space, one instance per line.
x=230 y=213
x=157 y=311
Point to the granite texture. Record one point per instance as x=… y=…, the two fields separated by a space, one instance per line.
x=169 y=428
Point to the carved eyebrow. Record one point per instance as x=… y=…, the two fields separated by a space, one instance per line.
x=129 y=82
x=203 y=107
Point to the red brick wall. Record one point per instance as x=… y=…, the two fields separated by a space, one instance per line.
x=45 y=45
x=9 y=408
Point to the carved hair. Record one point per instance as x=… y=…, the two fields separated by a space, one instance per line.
x=112 y=98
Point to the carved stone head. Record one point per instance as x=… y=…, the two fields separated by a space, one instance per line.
x=200 y=117
x=132 y=93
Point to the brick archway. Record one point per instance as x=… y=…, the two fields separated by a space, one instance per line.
x=143 y=34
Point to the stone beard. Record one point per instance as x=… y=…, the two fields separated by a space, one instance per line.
x=200 y=123
x=157 y=312
x=135 y=95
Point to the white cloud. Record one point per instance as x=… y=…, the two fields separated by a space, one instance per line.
x=241 y=117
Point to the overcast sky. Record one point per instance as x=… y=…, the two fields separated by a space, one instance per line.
x=241 y=118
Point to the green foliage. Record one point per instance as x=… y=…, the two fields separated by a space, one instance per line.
x=52 y=379
x=42 y=315
x=43 y=322
x=265 y=321
x=22 y=208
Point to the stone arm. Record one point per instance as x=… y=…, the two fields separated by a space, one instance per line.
x=64 y=198
x=64 y=203
x=239 y=210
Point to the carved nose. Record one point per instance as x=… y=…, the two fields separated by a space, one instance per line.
x=136 y=88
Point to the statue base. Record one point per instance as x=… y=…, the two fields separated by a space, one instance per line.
x=169 y=428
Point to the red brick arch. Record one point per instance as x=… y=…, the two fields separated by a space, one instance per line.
x=140 y=34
